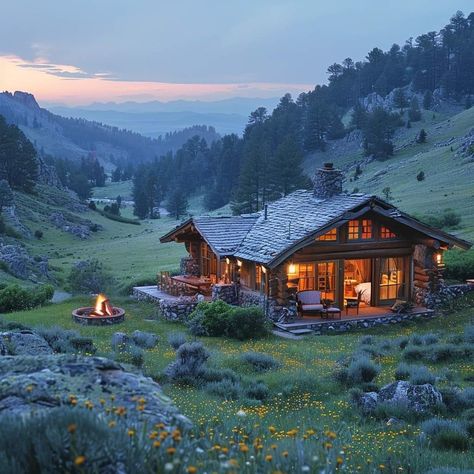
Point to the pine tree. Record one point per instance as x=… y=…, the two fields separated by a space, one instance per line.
x=421 y=136
x=378 y=133
x=420 y=176
x=18 y=162
x=427 y=100
x=6 y=194
x=177 y=204
x=359 y=116
x=414 y=113
x=399 y=99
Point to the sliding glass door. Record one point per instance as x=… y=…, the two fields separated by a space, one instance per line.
x=392 y=281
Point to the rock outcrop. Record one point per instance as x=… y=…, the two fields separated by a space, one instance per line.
x=81 y=229
x=34 y=379
x=21 y=265
x=419 y=398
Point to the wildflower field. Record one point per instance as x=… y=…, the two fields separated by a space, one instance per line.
x=305 y=423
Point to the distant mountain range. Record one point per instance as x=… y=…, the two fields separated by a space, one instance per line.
x=73 y=138
x=156 y=118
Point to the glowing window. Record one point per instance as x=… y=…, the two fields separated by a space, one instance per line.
x=359 y=229
x=353 y=230
x=331 y=235
x=366 y=229
x=386 y=233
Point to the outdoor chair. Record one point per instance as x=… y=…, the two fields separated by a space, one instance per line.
x=355 y=303
x=309 y=301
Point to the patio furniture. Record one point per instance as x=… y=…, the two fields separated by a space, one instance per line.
x=202 y=285
x=354 y=302
x=309 y=301
x=331 y=312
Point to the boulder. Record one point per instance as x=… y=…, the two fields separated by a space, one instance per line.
x=120 y=341
x=41 y=382
x=81 y=230
x=24 y=343
x=368 y=402
x=420 y=398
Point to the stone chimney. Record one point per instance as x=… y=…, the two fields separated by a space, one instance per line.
x=327 y=182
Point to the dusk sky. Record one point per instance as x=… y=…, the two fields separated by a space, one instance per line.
x=80 y=51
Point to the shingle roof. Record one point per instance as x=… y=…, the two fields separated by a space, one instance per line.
x=291 y=219
x=224 y=234
x=291 y=222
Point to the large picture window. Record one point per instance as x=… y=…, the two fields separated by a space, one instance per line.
x=392 y=278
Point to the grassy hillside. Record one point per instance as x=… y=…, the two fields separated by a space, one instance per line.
x=304 y=400
x=449 y=179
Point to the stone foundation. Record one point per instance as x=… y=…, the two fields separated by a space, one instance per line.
x=443 y=296
x=178 y=310
x=340 y=326
x=226 y=292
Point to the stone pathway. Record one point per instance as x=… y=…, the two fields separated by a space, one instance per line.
x=60 y=296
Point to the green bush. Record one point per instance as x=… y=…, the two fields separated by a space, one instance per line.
x=226 y=389
x=47 y=447
x=115 y=217
x=130 y=354
x=190 y=363
x=260 y=362
x=58 y=338
x=220 y=319
x=89 y=276
x=16 y=298
x=459 y=265
x=361 y=370
x=145 y=340
x=176 y=339
x=446 y=434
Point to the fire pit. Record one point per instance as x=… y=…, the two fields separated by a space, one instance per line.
x=102 y=313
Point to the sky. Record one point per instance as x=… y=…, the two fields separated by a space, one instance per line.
x=80 y=51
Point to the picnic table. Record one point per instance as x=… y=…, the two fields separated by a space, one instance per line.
x=199 y=283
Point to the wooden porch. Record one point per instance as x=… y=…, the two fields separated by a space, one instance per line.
x=367 y=317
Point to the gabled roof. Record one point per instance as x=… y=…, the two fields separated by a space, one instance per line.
x=224 y=234
x=293 y=222
x=292 y=219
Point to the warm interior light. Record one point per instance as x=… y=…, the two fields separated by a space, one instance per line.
x=264 y=270
x=227 y=261
x=239 y=263
x=439 y=258
x=291 y=269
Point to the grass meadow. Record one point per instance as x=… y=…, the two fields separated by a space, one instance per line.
x=305 y=404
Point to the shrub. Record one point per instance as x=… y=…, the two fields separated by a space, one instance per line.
x=16 y=298
x=190 y=363
x=420 y=375
x=459 y=265
x=131 y=354
x=403 y=371
x=367 y=340
x=216 y=375
x=82 y=344
x=246 y=323
x=145 y=340
x=176 y=339
x=46 y=445
x=38 y=234
x=220 y=319
x=414 y=353
x=92 y=206
x=445 y=434
x=260 y=362
x=257 y=391
x=89 y=276
x=225 y=388
x=60 y=339
x=360 y=370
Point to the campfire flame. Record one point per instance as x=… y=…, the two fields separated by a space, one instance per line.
x=102 y=306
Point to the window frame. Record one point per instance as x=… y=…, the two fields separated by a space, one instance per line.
x=360 y=230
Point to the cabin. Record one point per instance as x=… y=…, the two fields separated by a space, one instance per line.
x=346 y=246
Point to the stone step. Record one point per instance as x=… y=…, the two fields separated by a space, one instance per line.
x=299 y=332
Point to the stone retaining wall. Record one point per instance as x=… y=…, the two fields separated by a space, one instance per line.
x=349 y=325
x=176 y=310
x=444 y=296
x=226 y=292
